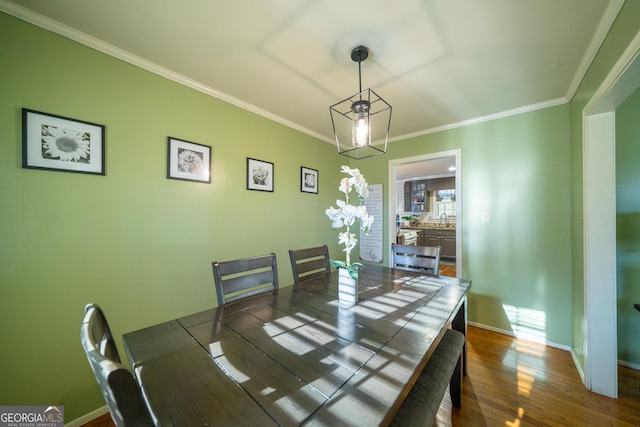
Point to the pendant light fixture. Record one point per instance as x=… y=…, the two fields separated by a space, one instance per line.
x=362 y=121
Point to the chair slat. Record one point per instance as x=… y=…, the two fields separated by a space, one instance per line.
x=247 y=281
x=415 y=261
x=245 y=264
x=313 y=265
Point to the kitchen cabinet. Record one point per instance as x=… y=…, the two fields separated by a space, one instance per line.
x=448 y=244
x=446 y=239
x=429 y=238
x=415 y=196
x=436 y=184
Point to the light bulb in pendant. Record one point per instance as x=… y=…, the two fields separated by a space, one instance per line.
x=360 y=132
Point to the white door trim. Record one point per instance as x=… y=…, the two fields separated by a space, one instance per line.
x=601 y=359
x=457 y=154
x=599 y=253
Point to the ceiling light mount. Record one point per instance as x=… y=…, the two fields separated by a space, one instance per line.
x=356 y=132
x=360 y=53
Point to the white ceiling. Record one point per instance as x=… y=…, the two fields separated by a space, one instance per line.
x=439 y=63
x=432 y=168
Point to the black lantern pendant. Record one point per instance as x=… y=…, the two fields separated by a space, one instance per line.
x=361 y=122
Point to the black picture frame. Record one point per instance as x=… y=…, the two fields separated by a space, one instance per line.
x=308 y=180
x=259 y=175
x=188 y=161
x=58 y=143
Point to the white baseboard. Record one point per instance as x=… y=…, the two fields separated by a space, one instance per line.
x=491 y=328
x=578 y=367
x=629 y=365
x=78 y=422
x=511 y=334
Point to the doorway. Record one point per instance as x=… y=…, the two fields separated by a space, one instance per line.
x=599 y=257
x=393 y=195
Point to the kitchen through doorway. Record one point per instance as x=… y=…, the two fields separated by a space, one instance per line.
x=425 y=195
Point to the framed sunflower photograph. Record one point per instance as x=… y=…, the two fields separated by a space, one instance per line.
x=59 y=143
x=188 y=161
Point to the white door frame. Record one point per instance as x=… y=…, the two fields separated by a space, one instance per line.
x=457 y=153
x=599 y=210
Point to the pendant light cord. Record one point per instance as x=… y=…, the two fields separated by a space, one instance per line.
x=360 y=72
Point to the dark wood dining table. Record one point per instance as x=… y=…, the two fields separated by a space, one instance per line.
x=295 y=356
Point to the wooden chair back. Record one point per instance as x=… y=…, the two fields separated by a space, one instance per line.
x=119 y=389
x=245 y=277
x=424 y=259
x=309 y=263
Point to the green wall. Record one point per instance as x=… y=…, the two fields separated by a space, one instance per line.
x=516 y=168
x=628 y=226
x=138 y=244
x=141 y=245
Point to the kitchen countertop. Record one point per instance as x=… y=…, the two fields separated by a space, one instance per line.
x=431 y=225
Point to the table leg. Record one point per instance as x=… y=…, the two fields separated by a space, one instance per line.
x=459 y=323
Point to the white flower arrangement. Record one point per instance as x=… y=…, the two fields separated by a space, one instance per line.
x=346 y=215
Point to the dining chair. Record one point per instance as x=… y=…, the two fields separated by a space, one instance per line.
x=416 y=258
x=309 y=263
x=124 y=399
x=245 y=277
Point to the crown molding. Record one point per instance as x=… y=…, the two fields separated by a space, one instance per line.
x=108 y=49
x=619 y=83
x=594 y=46
x=487 y=118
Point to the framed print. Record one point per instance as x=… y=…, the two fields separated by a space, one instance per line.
x=259 y=175
x=59 y=143
x=308 y=180
x=188 y=161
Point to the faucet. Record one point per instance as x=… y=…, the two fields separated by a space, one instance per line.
x=446 y=221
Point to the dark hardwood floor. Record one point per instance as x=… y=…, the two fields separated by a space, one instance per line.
x=513 y=383
x=103 y=421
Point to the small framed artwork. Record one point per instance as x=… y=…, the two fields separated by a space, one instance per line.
x=259 y=175
x=308 y=180
x=188 y=161
x=59 y=143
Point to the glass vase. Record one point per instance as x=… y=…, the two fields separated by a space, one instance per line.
x=347 y=288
